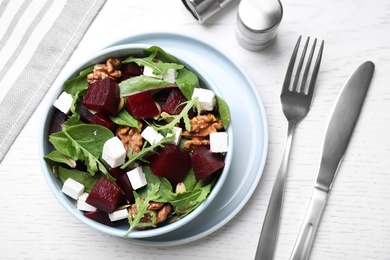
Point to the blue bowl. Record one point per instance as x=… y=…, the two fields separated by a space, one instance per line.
x=56 y=185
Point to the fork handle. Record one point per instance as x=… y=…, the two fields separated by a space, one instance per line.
x=269 y=232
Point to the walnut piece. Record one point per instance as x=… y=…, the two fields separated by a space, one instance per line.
x=190 y=144
x=201 y=127
x=131 y=138
x=102 y=71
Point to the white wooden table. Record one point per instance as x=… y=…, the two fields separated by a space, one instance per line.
x=356 y=222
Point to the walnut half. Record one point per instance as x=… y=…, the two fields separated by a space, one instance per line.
x=102 y=71
x=131 y=138
x=201 y=127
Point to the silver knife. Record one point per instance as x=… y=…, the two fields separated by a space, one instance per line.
x=338 y=132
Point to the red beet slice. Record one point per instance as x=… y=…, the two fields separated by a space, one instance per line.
x=141 y=105
x=99 y=216
x=132 y=68
x=57 y=119
x=170 y=162
x=204 y=162
x=123 y=182
x=105 y=196
x=174 y=104
x=102 y=95
x=85 y=114
x=104 y=120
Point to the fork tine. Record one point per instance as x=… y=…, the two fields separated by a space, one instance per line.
x=287 y=78
x=298 y=72
x=306 y=73
x=313 y=80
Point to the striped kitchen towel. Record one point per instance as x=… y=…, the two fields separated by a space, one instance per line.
x=37 y=37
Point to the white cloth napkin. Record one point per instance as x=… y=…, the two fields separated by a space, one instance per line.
x=36 y=40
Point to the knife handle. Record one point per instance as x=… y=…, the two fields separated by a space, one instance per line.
x=310 y=225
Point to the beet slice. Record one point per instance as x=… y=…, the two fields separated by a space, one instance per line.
x=104 y=120
x=103 y=95
x=85 y=114
x=105 y=196
x=123 y=182
x=142 y=105
x=204 y=162
x=57 y=119
x=174 y=104
x=99 y=216
x=132 y=68
x=170 y=162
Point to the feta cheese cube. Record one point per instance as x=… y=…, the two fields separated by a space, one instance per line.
x=64 y=102
x=177 y=133
x=82 y=205
x=137 y=178
x=72 y=188
x=206 y=98
x=114 y=153
x=118 y=215
x=170 y=76
x=148 y=71
x=151 y=135
x=219 y=142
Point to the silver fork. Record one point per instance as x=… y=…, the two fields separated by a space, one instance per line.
x=296 y=101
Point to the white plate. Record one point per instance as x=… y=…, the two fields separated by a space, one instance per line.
x=250 y=135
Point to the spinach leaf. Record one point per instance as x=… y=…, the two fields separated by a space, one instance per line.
x=140 y=83
x=125 y=119
x=55 y=157
x=84 y=178
x=160 y=54
x=78 y=84
x=224 y=111
x=187 y=81
x=83 y=142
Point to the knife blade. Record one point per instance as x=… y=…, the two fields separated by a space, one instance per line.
x=340 y=126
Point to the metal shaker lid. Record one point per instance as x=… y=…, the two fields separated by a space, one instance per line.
x=202 y=9
x=257 y=23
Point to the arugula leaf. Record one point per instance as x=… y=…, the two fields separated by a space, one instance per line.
x=224 y=111
x=183 y=115
x=83 y=142
x=187 y=81
x=145 y=151
x=84 y=178
x=158 y=67
x=125 y=119
x=140 y=83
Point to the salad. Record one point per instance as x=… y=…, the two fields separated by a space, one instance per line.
x=137 y=140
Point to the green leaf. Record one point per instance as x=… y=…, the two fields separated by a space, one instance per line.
x=140 y=83
x=187 y=81
x=125 y=119
x=160 y=54
x=144 y=151
x=55 y=157
x=84 y=178
x=176 y=118
x=83 y=142
x=78 y=84
x=224 y=111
